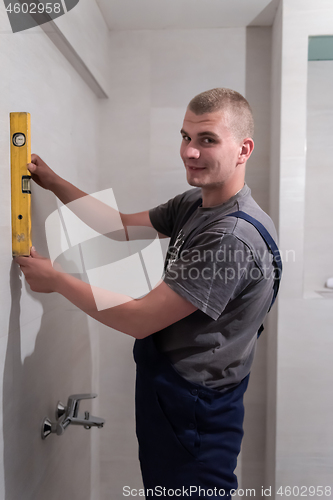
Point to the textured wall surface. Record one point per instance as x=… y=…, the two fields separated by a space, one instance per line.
x=304 y=433
x=48 y=348
x=318 y=237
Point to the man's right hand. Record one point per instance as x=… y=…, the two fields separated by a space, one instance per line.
x=42 y=173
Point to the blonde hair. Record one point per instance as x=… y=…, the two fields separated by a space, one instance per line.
x=238 y=111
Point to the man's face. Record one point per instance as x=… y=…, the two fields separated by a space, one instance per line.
x=209 y=151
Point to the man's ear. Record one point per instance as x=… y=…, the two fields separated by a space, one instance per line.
x=246 y=149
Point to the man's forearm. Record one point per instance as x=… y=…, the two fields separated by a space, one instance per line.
x=99 y=216
x=96 y=214
x=65 y=191
x=138 y=318
x=118 y=311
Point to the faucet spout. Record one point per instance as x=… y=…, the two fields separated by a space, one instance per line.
x=88 y=421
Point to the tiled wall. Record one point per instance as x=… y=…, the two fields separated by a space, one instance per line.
x=318 y=232
x=49 y=349
x=304 y=346
x=274 y=193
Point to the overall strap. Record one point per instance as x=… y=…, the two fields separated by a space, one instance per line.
x=272 y=246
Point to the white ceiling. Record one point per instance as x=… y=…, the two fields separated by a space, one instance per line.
x=186 y=14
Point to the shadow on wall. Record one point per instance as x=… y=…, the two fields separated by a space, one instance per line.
x=60 y=365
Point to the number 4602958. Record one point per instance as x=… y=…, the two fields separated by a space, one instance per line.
x=34 y=8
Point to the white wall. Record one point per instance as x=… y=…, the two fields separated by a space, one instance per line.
x=154 y=74
x=304 y=404
x=274 y=193
x=318 y=232
x=49 y=349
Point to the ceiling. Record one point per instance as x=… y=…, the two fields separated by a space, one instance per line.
x=186 y=14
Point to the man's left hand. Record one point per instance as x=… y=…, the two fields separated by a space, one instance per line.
x=38 y=271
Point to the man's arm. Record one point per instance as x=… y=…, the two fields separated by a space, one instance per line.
x=96 y=214
x=135 y=317
x=138 y=219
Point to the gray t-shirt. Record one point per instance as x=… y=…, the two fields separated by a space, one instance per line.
x=223 y=267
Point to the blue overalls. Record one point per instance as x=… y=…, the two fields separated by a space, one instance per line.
x=189 y=435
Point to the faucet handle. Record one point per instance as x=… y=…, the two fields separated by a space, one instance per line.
x=74 y=402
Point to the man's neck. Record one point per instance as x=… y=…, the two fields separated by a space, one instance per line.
x=214 y=197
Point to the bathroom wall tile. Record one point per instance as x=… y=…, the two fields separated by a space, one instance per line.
x=258 y=89
x=47 y=352
x=117 y=376
x=184 y=63
x=168 y=175
x=118 y=477
x=318 y=220
x=302 y=370
x=304 y=345
x=125 y=122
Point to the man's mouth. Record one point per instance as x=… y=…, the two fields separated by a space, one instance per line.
x=194 y=168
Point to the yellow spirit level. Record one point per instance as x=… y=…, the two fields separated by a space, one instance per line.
x=21 y=179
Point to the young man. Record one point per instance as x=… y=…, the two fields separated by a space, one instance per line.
x=196 y=331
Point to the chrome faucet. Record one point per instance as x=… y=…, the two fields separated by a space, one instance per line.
x=66 y=415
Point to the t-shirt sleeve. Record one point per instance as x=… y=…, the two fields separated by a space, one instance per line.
x=216 y=268
x=163 y=216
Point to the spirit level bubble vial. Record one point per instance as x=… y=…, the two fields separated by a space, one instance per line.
x=20 y=153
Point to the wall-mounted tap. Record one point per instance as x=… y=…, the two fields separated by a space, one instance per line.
x=69 y=414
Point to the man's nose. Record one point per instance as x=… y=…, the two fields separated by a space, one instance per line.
x=192 y=152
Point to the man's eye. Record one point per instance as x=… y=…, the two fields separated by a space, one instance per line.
x=186 y=138
x=208 y=140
